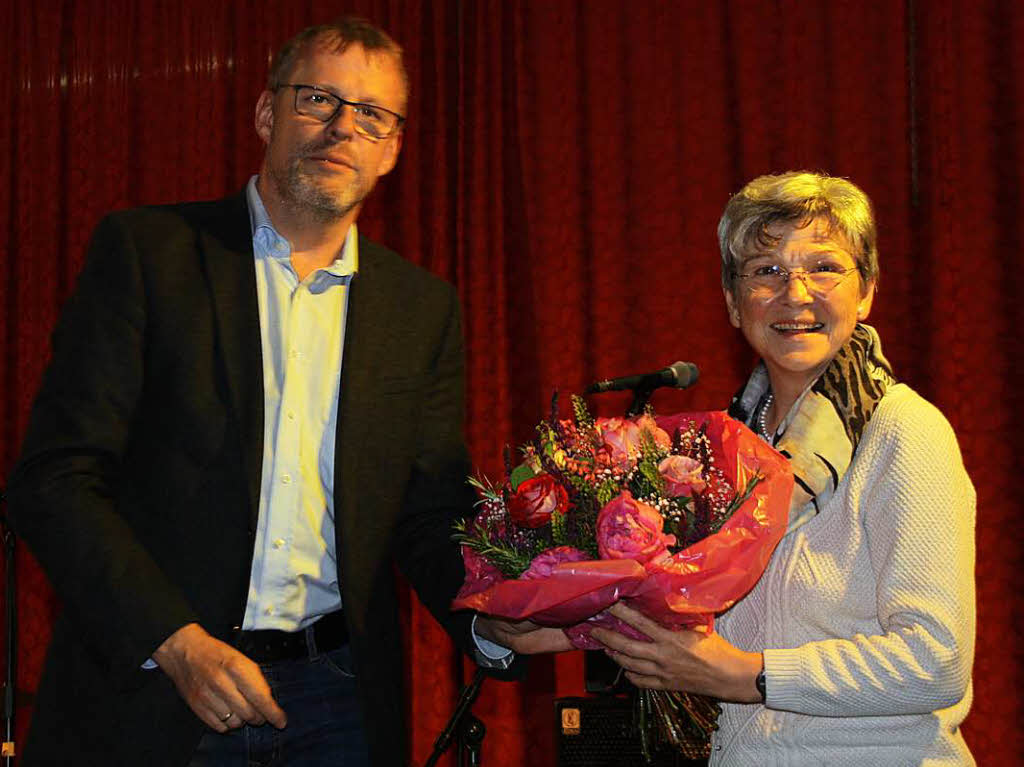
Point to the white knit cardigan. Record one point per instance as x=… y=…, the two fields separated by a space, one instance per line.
x=866 y=613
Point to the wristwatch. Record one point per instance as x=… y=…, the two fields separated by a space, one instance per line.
x=760 y=685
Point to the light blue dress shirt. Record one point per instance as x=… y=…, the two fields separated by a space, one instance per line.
x=294 y=577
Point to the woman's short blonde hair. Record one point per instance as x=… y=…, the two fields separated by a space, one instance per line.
x=800 y=197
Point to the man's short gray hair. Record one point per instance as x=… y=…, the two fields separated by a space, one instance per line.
x=336 y=37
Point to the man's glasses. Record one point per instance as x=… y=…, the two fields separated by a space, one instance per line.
x=370 y=120
x=770 y=280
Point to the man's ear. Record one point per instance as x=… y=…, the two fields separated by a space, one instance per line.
x=264 y=118
x=390 y=155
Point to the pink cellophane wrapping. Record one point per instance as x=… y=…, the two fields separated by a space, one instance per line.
x=685 y=589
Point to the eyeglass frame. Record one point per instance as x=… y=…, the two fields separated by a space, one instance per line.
x=801 y=273
x=400 y=119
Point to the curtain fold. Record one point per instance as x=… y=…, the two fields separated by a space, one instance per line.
x=565 y=165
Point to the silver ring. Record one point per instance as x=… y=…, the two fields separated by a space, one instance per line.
x=227 y=716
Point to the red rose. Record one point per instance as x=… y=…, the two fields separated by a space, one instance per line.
x=681 y=475
x=630 y=529
x=535 y=499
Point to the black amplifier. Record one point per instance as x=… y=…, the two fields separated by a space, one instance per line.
x=598 y=732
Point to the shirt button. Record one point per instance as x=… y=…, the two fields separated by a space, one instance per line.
x=286 y=479
x=268 y=610
x=291 y=415
x=279 y=543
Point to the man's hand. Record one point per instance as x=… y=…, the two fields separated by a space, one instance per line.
x=523 y=637
x=216 y=680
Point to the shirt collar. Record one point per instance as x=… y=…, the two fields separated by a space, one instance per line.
x=268 y=240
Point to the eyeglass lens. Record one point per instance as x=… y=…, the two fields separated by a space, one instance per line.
x=369 y=119
x=773 y=279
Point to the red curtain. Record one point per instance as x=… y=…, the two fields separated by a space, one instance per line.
x=565 y=166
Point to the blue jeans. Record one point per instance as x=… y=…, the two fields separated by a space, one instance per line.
x=325 y=725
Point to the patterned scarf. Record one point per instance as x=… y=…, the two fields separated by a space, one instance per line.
x=821 y=432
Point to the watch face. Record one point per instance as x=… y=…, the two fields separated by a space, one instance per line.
x=761 y=687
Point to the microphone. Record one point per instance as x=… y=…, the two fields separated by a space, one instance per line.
x=678 y=375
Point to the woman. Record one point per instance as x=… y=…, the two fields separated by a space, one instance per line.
x=855 y=647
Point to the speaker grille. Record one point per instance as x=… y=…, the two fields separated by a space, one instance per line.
x=597 y=732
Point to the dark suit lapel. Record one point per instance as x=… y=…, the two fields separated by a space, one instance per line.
x=366 y=331
x=227 y=250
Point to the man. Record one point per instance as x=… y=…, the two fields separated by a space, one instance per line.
x=249 y=410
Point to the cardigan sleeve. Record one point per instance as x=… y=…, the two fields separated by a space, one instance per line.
x=918 y=513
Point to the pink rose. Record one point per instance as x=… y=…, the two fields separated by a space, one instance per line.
x=542 y=564
x=621 y=438
x=535 y=499
x=630 y=529
x=624 y=439
x=681 y=475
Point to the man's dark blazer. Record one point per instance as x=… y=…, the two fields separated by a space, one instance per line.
x=138 y=486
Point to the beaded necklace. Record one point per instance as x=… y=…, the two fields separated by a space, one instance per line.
x=762 y=416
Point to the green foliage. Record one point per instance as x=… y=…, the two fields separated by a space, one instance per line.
x=741 y=498
x=606 y=491
x=519 y=475
x=488 y=491
x=650 y=448
x=647 y=480
x=559 y=529
x=583 y=491
x=581 y=413
x=548 y=440
x=678 y=521
x=511 y=561
x=583 y=526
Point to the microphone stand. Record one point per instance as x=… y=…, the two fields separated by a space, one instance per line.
x=470 y=730
x=7 y=749
x=641 y=396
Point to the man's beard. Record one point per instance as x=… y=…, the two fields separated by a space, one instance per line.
x=302 y=190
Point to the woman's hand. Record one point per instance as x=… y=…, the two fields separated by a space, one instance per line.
x=694 y=661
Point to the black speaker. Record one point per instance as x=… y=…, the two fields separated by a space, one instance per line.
x=598 y=732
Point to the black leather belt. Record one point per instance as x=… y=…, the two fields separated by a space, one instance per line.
x=270 y=645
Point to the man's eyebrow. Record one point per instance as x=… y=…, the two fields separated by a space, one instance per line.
x=333 y=92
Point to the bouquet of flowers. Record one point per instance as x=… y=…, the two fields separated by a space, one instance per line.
x=675 y=515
